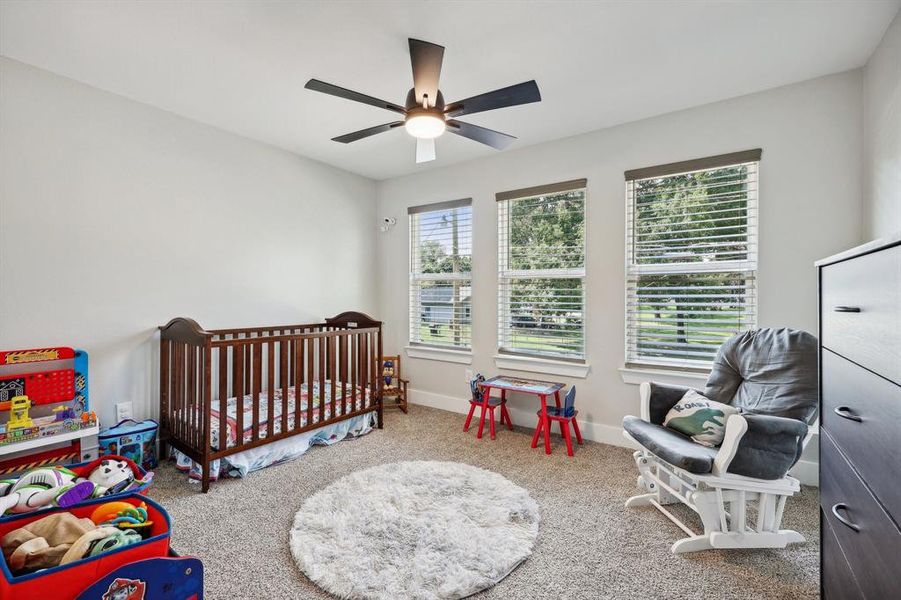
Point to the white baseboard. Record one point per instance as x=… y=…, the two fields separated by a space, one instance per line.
x=805 y=471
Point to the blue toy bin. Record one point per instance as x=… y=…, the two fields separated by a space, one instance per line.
x=84 y=469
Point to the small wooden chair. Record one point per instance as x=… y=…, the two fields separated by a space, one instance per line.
x=394 y=386
x=564 y=415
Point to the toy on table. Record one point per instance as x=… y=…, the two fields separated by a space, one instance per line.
x=59 y=486
x=395 y=386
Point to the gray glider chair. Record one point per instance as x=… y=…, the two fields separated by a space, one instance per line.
x=770 y=375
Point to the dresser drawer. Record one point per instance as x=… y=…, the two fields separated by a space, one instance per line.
x=861 y=310
x=870 y=540
x=839 y=582
x=869 y=433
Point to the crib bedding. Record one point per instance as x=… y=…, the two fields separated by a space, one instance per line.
x=285 y=449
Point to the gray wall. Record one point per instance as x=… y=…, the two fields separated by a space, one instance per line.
x=882 y=136
x=116 y=217
x=809 y=208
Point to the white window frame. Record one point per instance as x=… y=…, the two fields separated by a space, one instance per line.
x=518 y=359
x=635 y=366
x=461 y=353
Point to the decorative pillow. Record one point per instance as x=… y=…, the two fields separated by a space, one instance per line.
x=700 y=418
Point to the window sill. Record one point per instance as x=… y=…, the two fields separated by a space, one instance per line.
x=541 y=365
x=463 y=357
x=636 y=376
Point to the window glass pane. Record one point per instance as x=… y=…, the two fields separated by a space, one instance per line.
x=685 y=317
x=544 y=316
x=692 y=264
x=547 y=232
x=541 y=268
x=440 y=280
x=694 y=217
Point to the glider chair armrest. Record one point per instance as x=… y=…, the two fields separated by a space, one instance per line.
x=760 y=446
x=657 y=399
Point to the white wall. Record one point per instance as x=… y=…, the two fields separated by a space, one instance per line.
x=116 y=216
x=809 y=208
x=882 y=136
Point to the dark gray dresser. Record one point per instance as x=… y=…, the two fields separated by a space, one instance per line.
x=860 y=423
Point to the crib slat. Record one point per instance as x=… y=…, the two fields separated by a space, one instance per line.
x=270 y=389
x=354 y=362
x=284 y=362
x=223 y=395
x=331 y=346
x=178 y=365
x=342 y=371
x=298 y=379
x=238 y=364
x=322 y=386
x=256 y=387
x=310 y=358
x=366 y=367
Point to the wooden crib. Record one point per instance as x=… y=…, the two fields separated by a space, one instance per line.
x=266 y=371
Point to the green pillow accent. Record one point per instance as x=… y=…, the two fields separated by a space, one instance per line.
x=701 y=419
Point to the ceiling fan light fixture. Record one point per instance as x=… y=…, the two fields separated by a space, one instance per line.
x=424 y=124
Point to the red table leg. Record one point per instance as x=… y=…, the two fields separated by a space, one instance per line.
x=485 y=395
x=538 y=429
x=546 y=425
x=505 y=414
x=491 y=423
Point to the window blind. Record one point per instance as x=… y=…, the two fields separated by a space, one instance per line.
x=541 y=271
x=441 y=274
x=691 y=259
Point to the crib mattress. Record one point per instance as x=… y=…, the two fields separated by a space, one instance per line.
x=238 y=465
x=362 y=401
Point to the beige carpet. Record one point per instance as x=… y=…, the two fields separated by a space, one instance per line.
x=589 y=546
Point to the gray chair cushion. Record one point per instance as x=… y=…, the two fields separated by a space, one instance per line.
x=769 y=448
x=671 y=446
x=769 y=372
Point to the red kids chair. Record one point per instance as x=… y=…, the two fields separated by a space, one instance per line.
x=482 y=398
x=564 y=415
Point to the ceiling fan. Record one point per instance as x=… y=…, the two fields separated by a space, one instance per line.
x=425 y=115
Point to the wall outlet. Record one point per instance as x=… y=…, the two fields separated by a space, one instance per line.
x=468 y=374
x=123 y=411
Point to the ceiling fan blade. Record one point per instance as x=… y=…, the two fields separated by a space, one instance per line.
x=334 y=90
x=521 y=93
x=364 y=133
x=489 y=137
x=425 y=150
x=426 y=58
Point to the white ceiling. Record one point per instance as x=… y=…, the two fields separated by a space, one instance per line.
x=241 y=65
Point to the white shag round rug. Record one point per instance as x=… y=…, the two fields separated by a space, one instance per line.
x=418 y=529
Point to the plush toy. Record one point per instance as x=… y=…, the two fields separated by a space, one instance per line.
x=59 y=486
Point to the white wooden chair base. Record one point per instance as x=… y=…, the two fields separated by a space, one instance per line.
x=722 y=504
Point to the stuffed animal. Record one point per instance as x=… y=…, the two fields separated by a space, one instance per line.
x=59 y=486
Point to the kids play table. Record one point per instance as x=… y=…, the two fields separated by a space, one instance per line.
x=542 y=389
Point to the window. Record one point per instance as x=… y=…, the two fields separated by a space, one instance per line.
x=691 y=258
x=441 y=274
x=541 y=271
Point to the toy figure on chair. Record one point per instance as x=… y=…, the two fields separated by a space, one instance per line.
x=394 y=385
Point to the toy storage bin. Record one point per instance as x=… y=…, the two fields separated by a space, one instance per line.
x=130 y=438
x=83 y=469
x=67 y=581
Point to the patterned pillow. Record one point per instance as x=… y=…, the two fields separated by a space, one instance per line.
x=700 y=418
